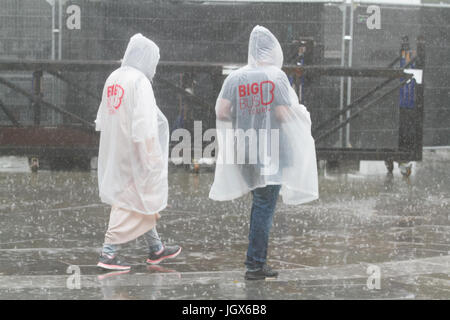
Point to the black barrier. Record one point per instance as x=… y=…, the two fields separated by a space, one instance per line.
x=410 y=120
x=410 y=139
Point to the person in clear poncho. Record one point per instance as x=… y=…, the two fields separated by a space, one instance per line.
x=264 y=144
x=133 y=155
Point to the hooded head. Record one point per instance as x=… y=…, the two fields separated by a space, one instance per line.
x=142 y=54
x=264 y=48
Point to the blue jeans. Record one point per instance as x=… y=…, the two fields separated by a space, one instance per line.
x=263 y=208
x=153 y=241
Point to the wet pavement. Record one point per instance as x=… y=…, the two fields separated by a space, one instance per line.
x=371 y=235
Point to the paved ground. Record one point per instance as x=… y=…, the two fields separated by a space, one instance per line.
x=365 y=221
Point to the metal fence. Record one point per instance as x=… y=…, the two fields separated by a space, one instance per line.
x=219 y=33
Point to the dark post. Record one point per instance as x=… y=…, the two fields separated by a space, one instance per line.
x=37 y=93
x=420 y=102
x=412 y=104
x=407 y=106
x=217 y=80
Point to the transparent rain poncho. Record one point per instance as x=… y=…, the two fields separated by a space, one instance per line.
x=134 y=140
x=263 y=132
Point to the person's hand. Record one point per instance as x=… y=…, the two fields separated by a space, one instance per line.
x=223 y=112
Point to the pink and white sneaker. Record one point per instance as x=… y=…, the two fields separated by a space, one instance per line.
x=112 y=263
x=168 y=252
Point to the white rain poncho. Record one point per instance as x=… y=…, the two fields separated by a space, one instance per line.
x=263 y=132
x=134 y=140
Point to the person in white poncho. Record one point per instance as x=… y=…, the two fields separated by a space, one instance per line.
x=133 y=155
x=264 y=144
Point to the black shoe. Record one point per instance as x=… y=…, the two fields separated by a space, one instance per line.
x=168 y=252
x=112 y=263
x=261 y=274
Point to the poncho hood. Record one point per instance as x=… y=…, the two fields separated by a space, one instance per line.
x=142 y=54
x=264 y=48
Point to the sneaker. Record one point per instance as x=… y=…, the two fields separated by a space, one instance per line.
x=261 y=274
x=168 y=252
x=112 y=263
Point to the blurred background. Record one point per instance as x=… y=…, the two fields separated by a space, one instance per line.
x=310 y=32
x=55 y=56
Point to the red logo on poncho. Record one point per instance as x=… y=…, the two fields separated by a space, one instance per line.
x=115 y=95
x=253 y=97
